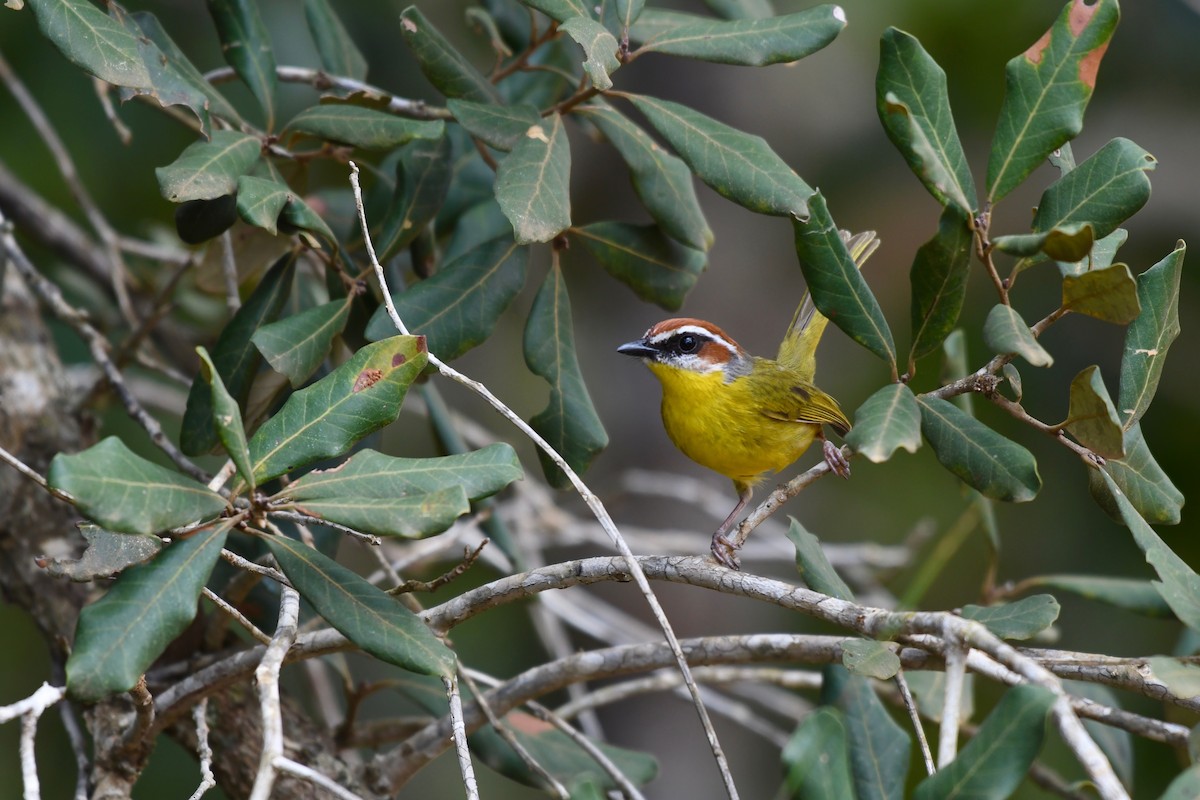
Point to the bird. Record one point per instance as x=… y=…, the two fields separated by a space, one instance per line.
x=744 y=416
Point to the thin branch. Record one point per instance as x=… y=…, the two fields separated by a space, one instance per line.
x=203 y=750
x=459 y=734
x=30 y=710
x=911 y=705
x=267 y=676
x=229 y=273
x=267 y=572
x=956 y=672
x=593 y=502
x=775 y=500
x=33 y=475
x=237 y=616
x=296 y=769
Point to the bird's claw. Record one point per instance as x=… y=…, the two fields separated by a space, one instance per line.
x=725 y=552
x=836 y=461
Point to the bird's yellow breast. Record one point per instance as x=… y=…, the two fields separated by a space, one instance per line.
x=722 y=426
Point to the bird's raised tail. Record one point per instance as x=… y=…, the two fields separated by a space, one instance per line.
x=799 y=346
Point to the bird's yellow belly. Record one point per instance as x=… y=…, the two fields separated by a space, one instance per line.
x=718 y=426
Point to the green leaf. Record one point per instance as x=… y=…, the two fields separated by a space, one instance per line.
x=753 y=42
x=569 y=421
x=476 y=226
x=983 y=459
x=1181 y=678
x=480 y=473
x=1143 y=482
x=235 y=357
x=197 y=221
x=122 y=491
x=939 y=283
x=662 y=181
x=657 y=268
x=560 y=10
x=929 y=691
x=878 y=747
x=247 y=48
x=378 y=623
x=816 y=759
x=227 y=418
x=327 y=418
x=1092 y=418
x=1185 y=786
x=1102 y=254
x=363 y=127
x=1065 y=243
x=994 y=762
x=888 y=421
x=1062 y=159
x=656 y=22
x=260 y=201
x=870 y=659
x=335 y=48
x=914 y=106
x=533 y=182
x=739 y=166
x=1177 y=583
x=501 y=127
x=458 y=307
x=408 y=516
x=1103 y=191
x=422 y=178
x=837 y=287
x=1108 y=294
x=628 y=12
x=1150 y=335
x=1007 y=334
x=954 y=365
x=207 y=170
x=299 y=217
x=107 y=554
x=1137 y=596
x=173 y=80
x=120 y=635
x=814 y=568
x=443 y=66
x=172 y=55
x=295 y=346
x=1116 y=743
x=1022 y=619
x=741 y=9
x=599 y=46
x=92 y=40
x=1013 y=376
x=1047 y=89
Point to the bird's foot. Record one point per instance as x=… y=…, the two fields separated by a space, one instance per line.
x=725 y=551
x=836 y=461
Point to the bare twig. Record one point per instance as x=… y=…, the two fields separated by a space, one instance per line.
x=267 y=676
x=589 y=497
x=956 y=671
x=459 y=734
x=237 y=616
x=911 y=705
x=30 y=710
x=21 y=467
x=203 y=750
x=295 y=768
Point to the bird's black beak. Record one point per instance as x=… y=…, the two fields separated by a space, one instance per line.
x=638 y=349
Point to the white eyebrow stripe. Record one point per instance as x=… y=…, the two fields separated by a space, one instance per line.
x=696 y=330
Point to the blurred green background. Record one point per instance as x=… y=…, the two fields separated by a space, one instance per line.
x=819 y=115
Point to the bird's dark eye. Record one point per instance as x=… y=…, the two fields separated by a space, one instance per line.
x=688 y=343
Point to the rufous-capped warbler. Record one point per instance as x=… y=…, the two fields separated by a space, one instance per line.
x=741 y=415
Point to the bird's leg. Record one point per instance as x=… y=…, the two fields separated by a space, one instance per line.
x=724 y=550
x=834 y=458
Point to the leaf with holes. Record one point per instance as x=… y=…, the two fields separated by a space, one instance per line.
x=533 y=182
x=362 y=127
x=983 y=459
x=657 y=268
x=662 y=181
x=1150 y=335
x=753 y=42
x=1108 y=294
x=938 y=277
x=210 y=169
x=838 y=288
x=247 y=48
x=329 y=417
x=1007 y=334
x=458 y=307
x=362 y=612
x=1047 y=89
x=1092 y=418
x=235 y=357
x=569 y=421
x=120 y=635
x=122 y=491
x=914 y=106
x=599 y=46
x=889 y=420
x=739 y=166
x=171 y=54
x=108 y=553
